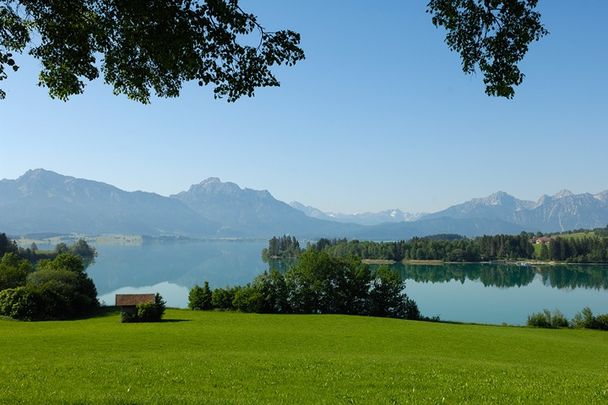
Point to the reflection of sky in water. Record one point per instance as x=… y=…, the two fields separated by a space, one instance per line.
x=221 y=263
x=176 y=296
x=468 y=293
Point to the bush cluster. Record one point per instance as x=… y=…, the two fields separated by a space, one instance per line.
x=317 y=284
x=548 y=319
x=200 y=297
x=584 y=319
x=55 y=289
x=148 y=312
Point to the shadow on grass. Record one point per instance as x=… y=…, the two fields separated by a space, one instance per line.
x=104 y=312
x=107 y=311
x=175 y=320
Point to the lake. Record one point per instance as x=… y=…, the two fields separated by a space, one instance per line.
x=482 y=293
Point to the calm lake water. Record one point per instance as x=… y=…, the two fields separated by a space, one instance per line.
x=470 y=293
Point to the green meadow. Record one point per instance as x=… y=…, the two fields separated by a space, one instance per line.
x=227 y=357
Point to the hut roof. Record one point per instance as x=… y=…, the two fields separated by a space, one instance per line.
x=125 y=300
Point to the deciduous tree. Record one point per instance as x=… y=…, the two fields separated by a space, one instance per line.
x=151 y=47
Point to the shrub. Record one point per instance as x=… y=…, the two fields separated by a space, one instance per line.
x=128 y=317
x=66 y=293
x=273 y=289
x=540 y=319
x=151 y=312
x=584 y=319
x=200 y=297
x=248 y=299
x=601 y=321
x=412 y=311
x=13 y=271
x=147 y=312
x=559 y=320
x=222 y=298
x=546 y=319
x=387 y=297
x=20 y=303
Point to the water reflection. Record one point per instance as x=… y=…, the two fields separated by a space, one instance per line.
x=460 y=292
x=174 y=295
x=185 y=264
x=507 y=276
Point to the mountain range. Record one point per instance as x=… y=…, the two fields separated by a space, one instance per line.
x=45 y=201
x=364 y=218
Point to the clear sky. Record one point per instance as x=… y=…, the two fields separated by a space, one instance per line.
x=378 y=116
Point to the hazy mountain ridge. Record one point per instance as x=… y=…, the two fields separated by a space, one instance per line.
x=253 y=213
x=562 y=211
x=363 y=218
x=566 y=211
x=44 y=201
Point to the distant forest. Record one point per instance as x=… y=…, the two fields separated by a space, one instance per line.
x=580 y=246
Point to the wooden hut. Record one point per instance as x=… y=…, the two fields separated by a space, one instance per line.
x=128 y=302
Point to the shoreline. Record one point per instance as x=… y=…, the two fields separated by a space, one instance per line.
x=524 y=263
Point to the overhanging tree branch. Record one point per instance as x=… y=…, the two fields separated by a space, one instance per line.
x=492 y=35
x=145 y=47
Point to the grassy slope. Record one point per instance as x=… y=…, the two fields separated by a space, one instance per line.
x=578 y=235
x=242 y=358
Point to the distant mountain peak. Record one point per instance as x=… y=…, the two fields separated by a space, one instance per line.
x=393 y=215
x=41 y=173
x=210 y=180
x=45 y=201
x=497 y=198
x=563 y=193
x=603 y=196
x=214 y=185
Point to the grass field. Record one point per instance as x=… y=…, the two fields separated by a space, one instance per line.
x=577 y=235
x=213 y=357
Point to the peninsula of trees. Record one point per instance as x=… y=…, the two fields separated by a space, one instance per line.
x=572 y=247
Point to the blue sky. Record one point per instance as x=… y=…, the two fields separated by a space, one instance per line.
x=378 y=116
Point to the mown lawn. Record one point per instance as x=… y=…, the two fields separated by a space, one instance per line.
x=213 y=357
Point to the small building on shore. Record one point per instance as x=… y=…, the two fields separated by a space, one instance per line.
x=128 y=302
x=543 y=240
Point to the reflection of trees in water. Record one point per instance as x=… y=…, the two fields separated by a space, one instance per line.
x=489 y=275
x=570 y=276
x=576 y=276
x=282 y=265
x=496 y=275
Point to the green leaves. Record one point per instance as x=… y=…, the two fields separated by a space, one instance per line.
x=152 y=47
x=14 y=35
x=492 y=35
x=145 y=47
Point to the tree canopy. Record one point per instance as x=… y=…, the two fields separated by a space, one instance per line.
x=144 y=47
x=152 y=47
x=492 y=35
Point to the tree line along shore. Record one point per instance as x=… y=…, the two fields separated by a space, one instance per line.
x=530 y=248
